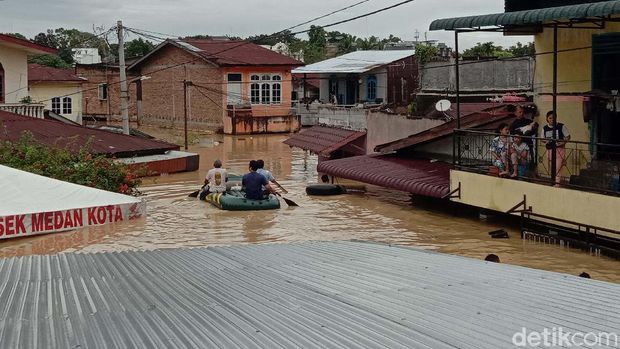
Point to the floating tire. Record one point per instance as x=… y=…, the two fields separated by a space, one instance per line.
x=325 y=189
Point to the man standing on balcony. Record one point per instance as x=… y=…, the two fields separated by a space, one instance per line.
x=556 y=135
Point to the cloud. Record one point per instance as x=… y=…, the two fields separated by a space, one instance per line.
x=245 y=17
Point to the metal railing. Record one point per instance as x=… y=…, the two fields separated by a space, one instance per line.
x=580 y=165
x=34 y=110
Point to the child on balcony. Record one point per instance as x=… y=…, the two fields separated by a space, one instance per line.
x=499 y=149
x=519 y=153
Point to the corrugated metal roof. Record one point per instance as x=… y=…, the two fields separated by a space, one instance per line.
x=536 y=16
x=416 y=176
x=26 y=45
x=54 y=133
x=324 y=140
x=355 y=62
x=227 y=53
x=474 y=116
x=40 y=73
x=307 y=295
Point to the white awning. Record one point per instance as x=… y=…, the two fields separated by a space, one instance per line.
x=34 y=204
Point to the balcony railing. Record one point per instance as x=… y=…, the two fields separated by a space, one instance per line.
x=580 y=165
x=34 y=110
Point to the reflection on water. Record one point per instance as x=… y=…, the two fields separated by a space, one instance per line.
x=175 y=220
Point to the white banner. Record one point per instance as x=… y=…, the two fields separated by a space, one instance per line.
x=47 y=222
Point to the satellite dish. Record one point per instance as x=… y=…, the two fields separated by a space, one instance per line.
x=443 y=105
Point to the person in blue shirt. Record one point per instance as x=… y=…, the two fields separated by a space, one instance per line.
x=261 y=170
x=253 y=183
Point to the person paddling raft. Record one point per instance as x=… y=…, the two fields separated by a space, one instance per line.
x=253 y=183
x=215 y=181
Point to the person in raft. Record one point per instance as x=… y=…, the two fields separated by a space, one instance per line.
x=253 y=182
x=215 y=181
x=266 y=173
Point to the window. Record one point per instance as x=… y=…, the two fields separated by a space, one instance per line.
x=266 y=89
x=56 y=105
x=254 y=89
x=234 y=89
x=371 y=85
x=66 y=105
x=102 y=90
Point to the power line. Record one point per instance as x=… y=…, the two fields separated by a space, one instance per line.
x=358 y=17
x=243 y=43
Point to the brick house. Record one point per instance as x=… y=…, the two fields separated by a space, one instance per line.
x=236 y=86
x=101 y=91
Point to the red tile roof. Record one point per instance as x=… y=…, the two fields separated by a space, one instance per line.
x=324 y=140
x=232 y=53
x=487 y=116
x=28 y=45
x=41 y=73
x=54 y=133
x=416 y=176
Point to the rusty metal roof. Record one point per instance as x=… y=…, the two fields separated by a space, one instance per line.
x=303 y=295
x=41 y=73
x=474 y=116
x=26 y=45
x=416 y=176
x=226 y=53
x=324 y=140
x=55 y=133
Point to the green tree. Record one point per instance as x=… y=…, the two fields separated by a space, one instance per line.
x=138 y=48
x=520 y=49
x=347 y=44
x=317 y=41
x=486 y=50
x=49 y=61
x=425 y=52
x=371 y=43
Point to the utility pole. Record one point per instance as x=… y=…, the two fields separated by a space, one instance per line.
x=123 y=77
x=185 y=84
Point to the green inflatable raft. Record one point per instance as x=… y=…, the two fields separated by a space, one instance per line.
x=235 y=200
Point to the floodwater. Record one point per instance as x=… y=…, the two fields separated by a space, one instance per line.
x=175 y=220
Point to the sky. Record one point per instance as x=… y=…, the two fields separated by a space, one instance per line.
x=249 y=17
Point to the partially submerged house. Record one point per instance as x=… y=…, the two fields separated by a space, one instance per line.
x=14 y=53
x=101 y=91
x=238 y=86
x=356 y=81
x=60 y=90
x=159 y=157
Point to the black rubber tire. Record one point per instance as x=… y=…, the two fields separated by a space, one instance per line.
x=325 y=189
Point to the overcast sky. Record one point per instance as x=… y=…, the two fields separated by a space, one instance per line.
x=248 y=17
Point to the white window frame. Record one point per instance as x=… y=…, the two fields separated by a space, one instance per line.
x=100 y=91
x=56 y=105
x=67 y=105
x=266 y=88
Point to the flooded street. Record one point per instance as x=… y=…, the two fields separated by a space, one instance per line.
x=175 y=220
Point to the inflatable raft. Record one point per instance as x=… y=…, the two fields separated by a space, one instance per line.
x=325 y=189
x=235 y=200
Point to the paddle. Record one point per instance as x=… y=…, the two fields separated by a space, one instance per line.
x=288 y=201
x=279 y=186
x=194 y=194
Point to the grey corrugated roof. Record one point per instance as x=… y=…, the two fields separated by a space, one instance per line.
x=306 y=295
x=535 y=16
x=355 y=62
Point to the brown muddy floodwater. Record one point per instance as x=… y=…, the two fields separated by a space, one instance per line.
x=175 y=220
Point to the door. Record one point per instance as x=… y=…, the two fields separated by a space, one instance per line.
x=233 y=89
x=606 y=78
